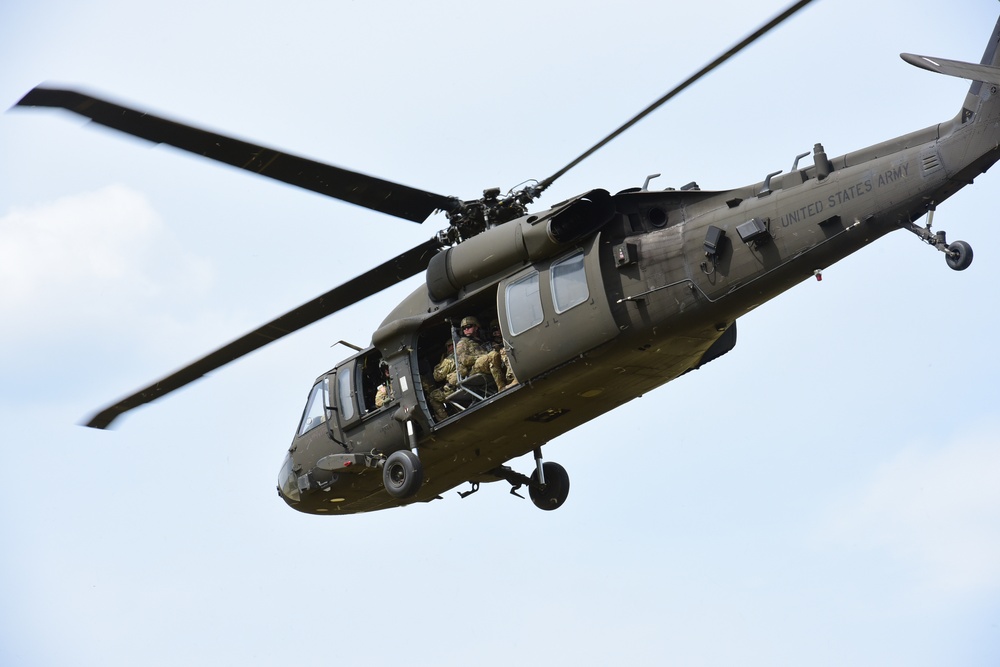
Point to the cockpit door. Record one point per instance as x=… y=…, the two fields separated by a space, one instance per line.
x=345 y=400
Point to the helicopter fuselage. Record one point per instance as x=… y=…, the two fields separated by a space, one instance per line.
x=649 y=289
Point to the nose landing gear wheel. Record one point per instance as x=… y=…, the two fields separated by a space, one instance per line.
x=402 y=474
x=553 y=493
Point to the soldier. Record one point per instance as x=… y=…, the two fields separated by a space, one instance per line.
x=384 y=394
x=497 y=337
x=445 y=373
x=475 y=356
x=435 y=398
x=445 y=370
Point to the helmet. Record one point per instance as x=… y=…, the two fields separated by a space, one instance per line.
x=470 y=321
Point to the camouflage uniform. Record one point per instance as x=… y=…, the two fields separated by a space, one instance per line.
x=498 y=345
x=476 y=357
x=384 y=395
x=443 y=372
x=435 y=398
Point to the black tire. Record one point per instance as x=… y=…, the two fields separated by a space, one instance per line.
x=959 y=255
x=402 y=474
x=553 y=494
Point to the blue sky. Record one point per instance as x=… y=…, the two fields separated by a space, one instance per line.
x=825 y=494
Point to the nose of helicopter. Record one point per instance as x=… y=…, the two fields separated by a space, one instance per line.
x=288 y=481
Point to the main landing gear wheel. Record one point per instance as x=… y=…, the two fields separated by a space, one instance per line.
x=959 y=255
x=552 y=494
x=403 y=474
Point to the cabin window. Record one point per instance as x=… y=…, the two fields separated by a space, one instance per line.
x=315 y=412
x=344 y=394
x=524 y=304
x=569 y=283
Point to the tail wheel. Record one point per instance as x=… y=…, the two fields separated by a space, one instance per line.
x=552 y=494
x=403 y=474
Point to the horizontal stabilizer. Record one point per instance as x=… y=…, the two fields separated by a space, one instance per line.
x=975 y=72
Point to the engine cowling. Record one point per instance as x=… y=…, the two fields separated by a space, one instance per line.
x=525 y=239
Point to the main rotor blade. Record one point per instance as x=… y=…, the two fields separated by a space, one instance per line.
x=374 y=193
x=399 y=268
x=747 y=41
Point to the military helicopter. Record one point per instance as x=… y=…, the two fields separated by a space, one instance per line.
x=597 y=300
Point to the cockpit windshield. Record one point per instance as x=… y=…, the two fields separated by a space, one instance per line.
x=316 y=408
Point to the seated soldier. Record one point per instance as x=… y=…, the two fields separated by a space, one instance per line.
x=444 y=373
x=384 y=394
x=496 y=335
x=475 y=356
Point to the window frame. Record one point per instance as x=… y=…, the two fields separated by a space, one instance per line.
x=345 y=393
x=534 y=311
x=318 y=394
x=577 y=271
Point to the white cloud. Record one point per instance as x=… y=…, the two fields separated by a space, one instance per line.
x=85 y=258
x=85 y=237
x=934 y=509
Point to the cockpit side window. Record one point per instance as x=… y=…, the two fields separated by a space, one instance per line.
x=345 y=392
x=315 y=412
x=524 y=304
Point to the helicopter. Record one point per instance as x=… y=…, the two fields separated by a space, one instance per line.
x=598 y=299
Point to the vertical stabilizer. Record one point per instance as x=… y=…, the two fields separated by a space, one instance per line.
x=982 y=96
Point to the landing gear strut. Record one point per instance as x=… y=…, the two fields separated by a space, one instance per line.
x=548 y=485
x=958 y=255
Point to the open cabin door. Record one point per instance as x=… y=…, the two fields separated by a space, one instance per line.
x=555 y=310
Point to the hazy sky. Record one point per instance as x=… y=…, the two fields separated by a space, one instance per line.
x=826 y=494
